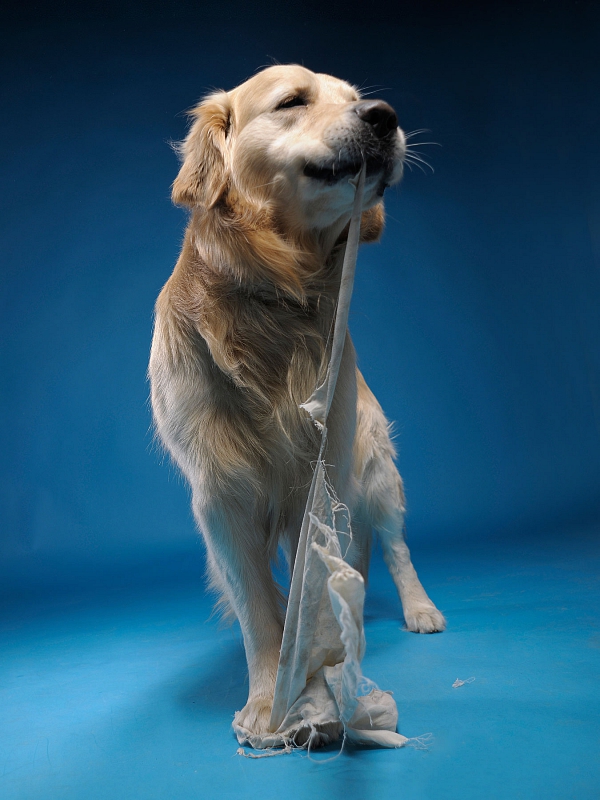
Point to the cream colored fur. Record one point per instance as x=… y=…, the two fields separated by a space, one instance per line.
x=241 y=339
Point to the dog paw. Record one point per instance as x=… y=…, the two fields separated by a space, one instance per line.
x=255 y=715
x=424 y=619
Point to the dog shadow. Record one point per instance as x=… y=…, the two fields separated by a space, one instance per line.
x=381 y=606
x=216 y=686
x=218 y=681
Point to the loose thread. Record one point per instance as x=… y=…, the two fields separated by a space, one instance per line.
x=272 y=751
x=313 y=734
x=458 y=682
x=420 y=742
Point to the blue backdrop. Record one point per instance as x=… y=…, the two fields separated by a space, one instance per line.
x=476 y=323
x=476 y=319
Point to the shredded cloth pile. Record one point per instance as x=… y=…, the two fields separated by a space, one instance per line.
x=320 y=686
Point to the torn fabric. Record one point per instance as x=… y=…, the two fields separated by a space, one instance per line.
x=319 y=680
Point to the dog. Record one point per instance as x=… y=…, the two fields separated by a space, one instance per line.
x=241 y=337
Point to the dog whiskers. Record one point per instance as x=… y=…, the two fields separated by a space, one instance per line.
x=412 y=156
x=412 y=134
x=417 y=161
x=374 y=91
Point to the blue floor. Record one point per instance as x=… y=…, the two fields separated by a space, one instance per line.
x=129 y=693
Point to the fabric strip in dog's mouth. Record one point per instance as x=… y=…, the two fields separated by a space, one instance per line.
x=333 y=172
x=318 y=692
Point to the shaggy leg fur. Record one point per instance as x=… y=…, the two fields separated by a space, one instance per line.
x=240 y=570
x=420 y=614
x=383 y=499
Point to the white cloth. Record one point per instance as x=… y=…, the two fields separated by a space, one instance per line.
x=319 y=680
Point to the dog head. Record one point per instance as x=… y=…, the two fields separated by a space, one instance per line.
x=294 y=140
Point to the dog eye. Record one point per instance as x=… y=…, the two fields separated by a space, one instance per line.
x=291 y=102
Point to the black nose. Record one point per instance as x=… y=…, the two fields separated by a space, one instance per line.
x=379 y=115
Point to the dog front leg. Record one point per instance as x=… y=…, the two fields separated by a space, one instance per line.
x=383 y=506
x=383 y=487
x=420 y=614
x=239 y=566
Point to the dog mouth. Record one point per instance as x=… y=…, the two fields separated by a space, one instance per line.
x=334 y=171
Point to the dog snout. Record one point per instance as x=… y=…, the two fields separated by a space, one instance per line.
x=379 y=115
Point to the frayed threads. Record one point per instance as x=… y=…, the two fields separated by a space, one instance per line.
x=271 y=751
x=289 y=745
x=458 y=682
x=420 y=742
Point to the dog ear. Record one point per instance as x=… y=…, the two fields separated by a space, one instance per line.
x=203 y=174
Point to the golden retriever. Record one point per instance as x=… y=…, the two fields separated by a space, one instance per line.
x=241 y=339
